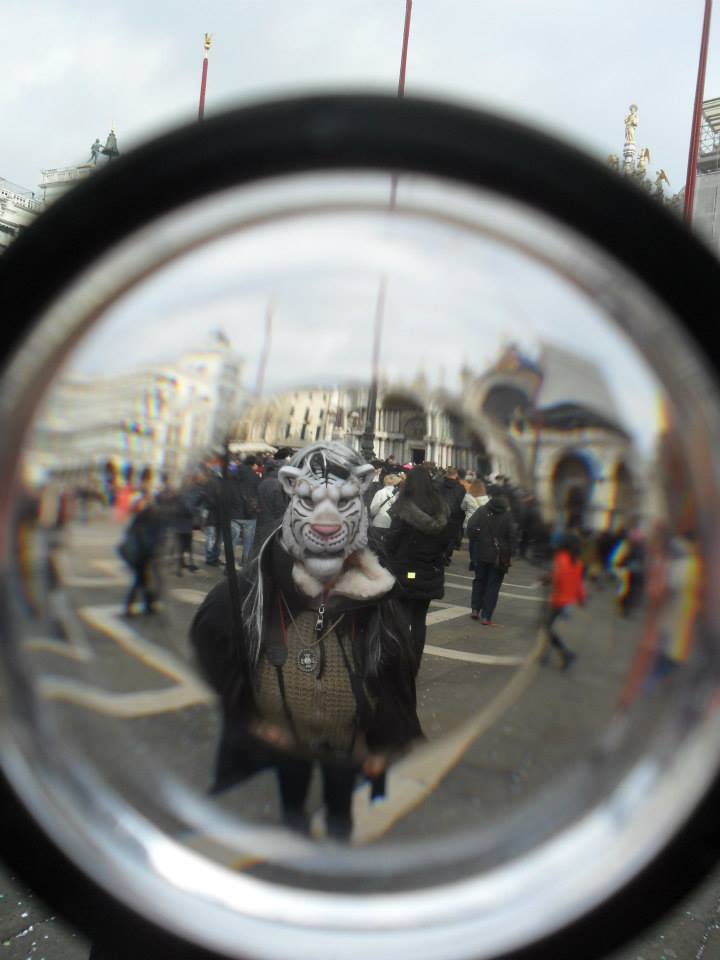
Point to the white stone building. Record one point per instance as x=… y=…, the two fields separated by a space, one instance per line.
x=18 y=209
x=19 y=206
x=56 y=180
x=706 y=206
x=165 y=418
x=412 y=423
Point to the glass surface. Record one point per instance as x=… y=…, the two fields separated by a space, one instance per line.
x=506 y=358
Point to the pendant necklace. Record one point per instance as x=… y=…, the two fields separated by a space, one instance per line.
x=309 y=657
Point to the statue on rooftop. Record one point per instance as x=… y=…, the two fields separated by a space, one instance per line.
x=95 y=151
x=631 y=122
x=661 y=178
x=643 y=161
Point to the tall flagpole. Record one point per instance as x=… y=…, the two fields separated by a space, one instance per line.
x=367 y=440
x=697 y=117
x=401 y=84
x=203 y=82
x=265 y=352
x=224 y=526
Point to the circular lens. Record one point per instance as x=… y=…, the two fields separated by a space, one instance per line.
x=360 y=527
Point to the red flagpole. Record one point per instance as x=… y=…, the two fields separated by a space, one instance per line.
x=401 y=83
x=367 y=440
x=697 y=117
x=203 y=82
x=403 y=56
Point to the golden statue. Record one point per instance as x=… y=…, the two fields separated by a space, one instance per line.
x=208 y=41
x=643 y=160
x=631 y=121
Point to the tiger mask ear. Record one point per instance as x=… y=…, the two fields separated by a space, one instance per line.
x=288 y=477
x=363 y=475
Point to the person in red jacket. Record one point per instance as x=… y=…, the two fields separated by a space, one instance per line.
x=566 y=590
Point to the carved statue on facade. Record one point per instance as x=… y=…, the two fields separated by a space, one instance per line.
x=95 y=151
x=613 y=162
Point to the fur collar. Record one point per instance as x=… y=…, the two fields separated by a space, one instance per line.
x=363 y=579
x=412 y=514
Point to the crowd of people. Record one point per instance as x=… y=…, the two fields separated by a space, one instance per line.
x=244 y=504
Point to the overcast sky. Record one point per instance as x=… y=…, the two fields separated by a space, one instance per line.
x=572 y=67
x=73 y=67
x=453 y=299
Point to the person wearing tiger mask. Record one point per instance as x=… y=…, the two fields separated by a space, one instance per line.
x=316 y=667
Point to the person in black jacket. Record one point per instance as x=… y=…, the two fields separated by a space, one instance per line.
x=271 y=505
x=376 y=483
x=492 y=535
x=183 y=521
x=415 y=547
x=243 y=505
x=209 y=502
x=453 y=493
x=143 y=538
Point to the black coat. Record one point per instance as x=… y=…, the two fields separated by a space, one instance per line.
x=144 y=536
x=375 y=631
x=490 y=523
x=272 y=502
x=210 y=499
x=415 y=547
x=184 y=514
x=453 y=493
x=242 y=493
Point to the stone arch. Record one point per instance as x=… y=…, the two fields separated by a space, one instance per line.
x=622 y=494
x=405 y=416
x=504 y=401
x=573 y=480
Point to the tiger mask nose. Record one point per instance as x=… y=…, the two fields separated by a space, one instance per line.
x=325 y=530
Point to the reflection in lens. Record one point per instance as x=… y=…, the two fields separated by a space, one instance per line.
x=369 y=526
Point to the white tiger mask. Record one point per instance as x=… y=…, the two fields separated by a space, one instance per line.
x=326 y=519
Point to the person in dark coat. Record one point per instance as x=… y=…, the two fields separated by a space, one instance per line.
x=209 y=504
x=143 y=538
x=453 y=493
x=415 y=547
x=492 y=535
x=243 y=506
x=272 y=503
x=389 y=466
x=182 y=521
x=314 y=667
x=376 y=483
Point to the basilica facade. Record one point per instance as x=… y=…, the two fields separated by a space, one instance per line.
x=571 y=449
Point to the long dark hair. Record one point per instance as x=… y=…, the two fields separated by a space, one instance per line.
x=418 y=488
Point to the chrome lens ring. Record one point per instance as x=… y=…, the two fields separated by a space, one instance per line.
x=327 y=134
